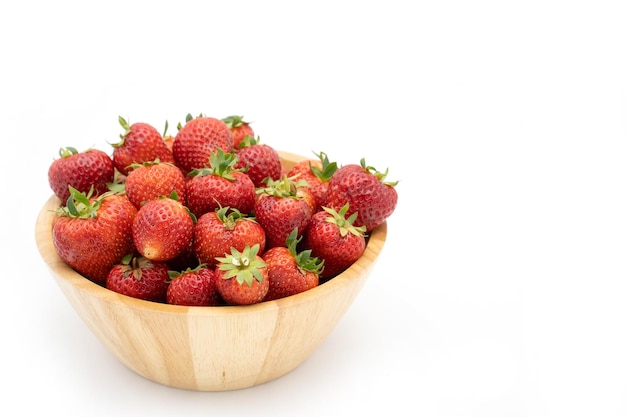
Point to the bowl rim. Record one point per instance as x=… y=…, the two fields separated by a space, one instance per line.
x=62 y=271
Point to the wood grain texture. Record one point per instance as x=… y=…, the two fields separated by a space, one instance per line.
x=209 y=348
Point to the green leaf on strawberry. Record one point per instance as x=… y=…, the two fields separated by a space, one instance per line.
x=221 y=163
x=80 y=205
x=328 y=168
x=380 y=175
x=304 y=260
x=248 y=141
x=230 y=216
x=234 y=121
x=283 y=187
x=345 y=225
x=243 y=266
x=132 y=264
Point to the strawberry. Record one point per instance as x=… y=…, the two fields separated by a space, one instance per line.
x=162 y=229
x=366 y=191
x=289 y=271
x=259 y=160
x=332 y=237
x=219 y=185
x=242 y=276
x=281 y=207
x=239 y=128
x=138 y=277
x=317 y=172
x=217 y=231
x=151 y=180
x=198 y=139
x=140 y=143
x=81 y=170
x=92 y=234
x=193 y=287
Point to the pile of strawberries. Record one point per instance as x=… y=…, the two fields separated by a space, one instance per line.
x=209 y=216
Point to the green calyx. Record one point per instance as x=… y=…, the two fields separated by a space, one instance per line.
x=118 y=186
x=380 y=175
x=248 y=141
x=188 y=118
x=175 y=274
x=304 y=260
x=230 y=217
x=282 y=187
x=126 y=126
x=328 y=168
x=132 y=264
x=80 y=205
x=136 y=165
x=234 y=121
x=243 y=266
x=221 y=163
x=345 y=225
x=67 y=152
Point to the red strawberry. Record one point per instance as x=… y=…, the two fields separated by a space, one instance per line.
x=93 y=234
x=317 y=172
x=220 y=185
x=333 y=238
x=162 y=229
x=151 y=180
x=193 y=287
x=366 y=191
x=289 y=271
x=139 y=277
x=259 y=160
x=81 y=170
x=281 y=207
x=242 y=276
x=217 y=232
x=198 y=139
x=239 y=128
x=140 y=143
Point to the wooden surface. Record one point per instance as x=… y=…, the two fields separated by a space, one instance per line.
x=209 y=348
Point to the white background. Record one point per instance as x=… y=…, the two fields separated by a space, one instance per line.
x=500 y=291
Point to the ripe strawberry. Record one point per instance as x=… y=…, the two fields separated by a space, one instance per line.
x=198 y=139
x=259 y=160
x=332 y=237
x=162 y=229
x=219 y=185
x=217 y=231
x=289 y=271
x=93 y=234
x=239 y=128
x=281 y=207
x=139 y=143
x=317 y=172
x=366 y=191
x=151 y=180
x=138 y=277
x=81 y=170
x=193 y=287
x=242 y=276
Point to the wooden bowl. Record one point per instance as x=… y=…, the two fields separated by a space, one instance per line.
x=209 y=348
